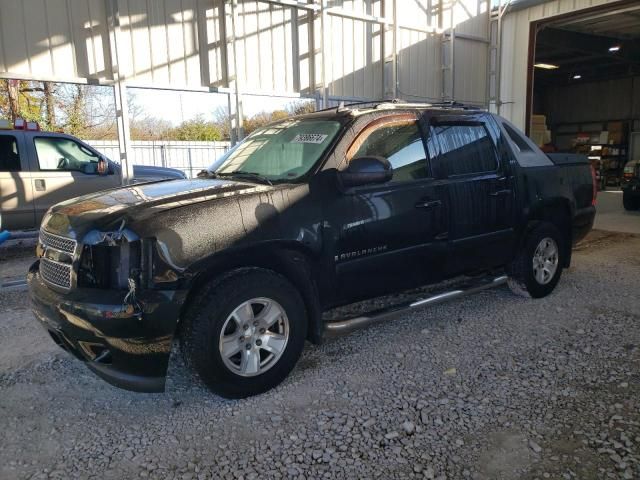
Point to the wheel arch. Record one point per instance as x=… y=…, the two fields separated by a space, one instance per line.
x=558 y=212
x=293 y=261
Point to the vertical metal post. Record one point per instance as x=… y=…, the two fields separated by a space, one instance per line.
x=383 y=33
x=499 y=55
x=395 y=48
x=311 y=41
x=324 y=22
x=295 y=49
x=237 y=113
x=233 y=134
x=124 y=137
x=190 y=162
x=120 y=93
x=452 y=59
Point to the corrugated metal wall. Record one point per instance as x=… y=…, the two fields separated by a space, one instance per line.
x=189 y=43
x=54 y=38
x=515 y=48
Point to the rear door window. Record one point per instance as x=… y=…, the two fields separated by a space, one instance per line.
x=464 y=148
x=9 y=155
x=517 y=139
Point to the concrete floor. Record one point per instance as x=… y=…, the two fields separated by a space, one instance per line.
x=612 y=217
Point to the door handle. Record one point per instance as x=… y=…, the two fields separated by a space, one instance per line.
x=499 y=193
x=429 y=204
x=40 y=184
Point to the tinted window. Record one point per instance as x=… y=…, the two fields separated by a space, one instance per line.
x=465 y=149
x=65 y=155
x=516 y=138
x=401 y=143
x=9 y=158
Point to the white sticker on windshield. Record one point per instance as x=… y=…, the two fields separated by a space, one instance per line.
x=309 y=138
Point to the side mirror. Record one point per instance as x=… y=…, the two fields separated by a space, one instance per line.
x=103 y=166
x=366 y=170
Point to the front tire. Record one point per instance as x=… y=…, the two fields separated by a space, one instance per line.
x=630 y=203
x=244 y=332
x=537 y=268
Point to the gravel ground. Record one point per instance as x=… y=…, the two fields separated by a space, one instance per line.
x=491 y=386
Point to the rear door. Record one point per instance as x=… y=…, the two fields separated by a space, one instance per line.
x=479 y=190
x=64 y=168
x=16 y=197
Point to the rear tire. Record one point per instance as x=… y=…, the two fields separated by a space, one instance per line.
x=630 y=203
x=244 y=332
x=537 y=268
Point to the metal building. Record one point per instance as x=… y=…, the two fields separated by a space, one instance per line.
x=518 y=22
x=326 y=50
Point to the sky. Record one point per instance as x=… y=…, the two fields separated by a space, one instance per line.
x=176 y=107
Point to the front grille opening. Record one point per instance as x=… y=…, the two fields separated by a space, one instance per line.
x=95 y=267
x=103 y=266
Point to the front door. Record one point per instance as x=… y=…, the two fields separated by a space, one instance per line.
x=389 y=235
x=64 y=169
x=479 y=188
x=16 y=197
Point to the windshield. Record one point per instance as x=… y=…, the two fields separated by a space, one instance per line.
x=279 y=152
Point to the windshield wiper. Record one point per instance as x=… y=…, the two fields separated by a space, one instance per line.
x=249 y=175
x=207 y=174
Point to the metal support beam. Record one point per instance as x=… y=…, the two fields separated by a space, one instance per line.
x=495 y=55
x=383 y=42
x=120 y=93
x=235 y=113
x=394 y=57
x=324 y=23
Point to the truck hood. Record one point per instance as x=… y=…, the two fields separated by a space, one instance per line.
x=107 y=209
x=147 y=173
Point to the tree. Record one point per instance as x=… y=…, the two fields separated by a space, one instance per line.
x=19 y=100
x=149 y=128
x=197 y=129
x=301 y=107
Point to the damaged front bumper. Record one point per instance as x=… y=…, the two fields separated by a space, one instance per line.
x=126 y=346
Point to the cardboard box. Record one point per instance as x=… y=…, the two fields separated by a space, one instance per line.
x=615 y=126
x=540 y=137
x=604 y=137
x=538 y=120
x=615 y=138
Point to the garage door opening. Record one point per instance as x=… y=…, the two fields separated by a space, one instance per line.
x=586 y=88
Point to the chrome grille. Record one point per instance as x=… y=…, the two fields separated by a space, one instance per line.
x=55 y=273
x=62 y=244
x=56 y=268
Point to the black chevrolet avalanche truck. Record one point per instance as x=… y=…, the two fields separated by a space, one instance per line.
x=305 y=215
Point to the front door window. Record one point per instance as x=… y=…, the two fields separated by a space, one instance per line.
x=398 y=140
x=63 y=154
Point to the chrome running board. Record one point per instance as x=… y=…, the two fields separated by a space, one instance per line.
x=341 y=327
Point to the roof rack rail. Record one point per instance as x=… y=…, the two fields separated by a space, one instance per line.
x=392 y=103
x=454 y=104
x=343 y=105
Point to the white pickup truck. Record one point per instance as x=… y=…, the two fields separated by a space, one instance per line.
x=39 y=169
